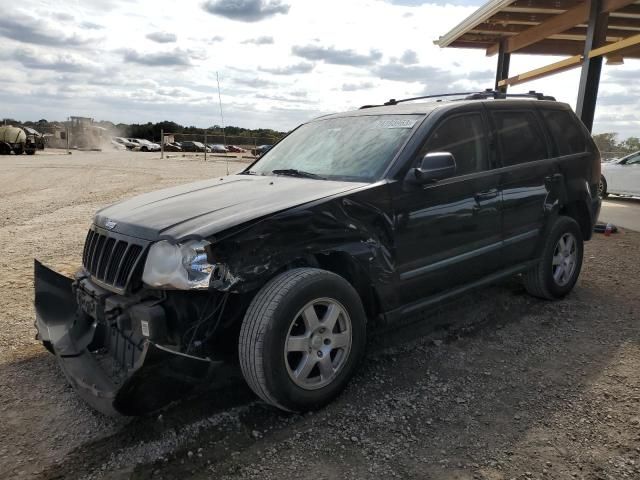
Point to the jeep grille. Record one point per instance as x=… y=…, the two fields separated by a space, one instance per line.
x=112 y=259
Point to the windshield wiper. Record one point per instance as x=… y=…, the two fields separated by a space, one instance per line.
x=292 y=172
x=249 y=172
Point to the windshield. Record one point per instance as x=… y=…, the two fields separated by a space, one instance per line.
x=351 y=148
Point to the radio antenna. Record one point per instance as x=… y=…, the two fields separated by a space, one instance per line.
x=224 y=136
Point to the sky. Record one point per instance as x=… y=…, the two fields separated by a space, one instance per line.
x=279 y=62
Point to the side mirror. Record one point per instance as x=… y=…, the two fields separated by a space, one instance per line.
x=433 y=167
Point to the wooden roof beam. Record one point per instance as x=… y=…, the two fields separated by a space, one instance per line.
x=629 y=45
x=557 y=67
x=556 y=24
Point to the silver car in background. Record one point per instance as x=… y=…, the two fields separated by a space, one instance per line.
x=621 y=176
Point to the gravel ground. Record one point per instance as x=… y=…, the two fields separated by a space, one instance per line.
x=513 y=387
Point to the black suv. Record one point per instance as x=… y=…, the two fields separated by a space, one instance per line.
x=353 y=223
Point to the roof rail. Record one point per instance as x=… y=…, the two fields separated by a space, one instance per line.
x=488 y=93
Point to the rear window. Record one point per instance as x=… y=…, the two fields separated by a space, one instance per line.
x=566 y=132
x=519 y=137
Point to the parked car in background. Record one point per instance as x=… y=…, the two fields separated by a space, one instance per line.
x=621 y=176
x=217 y=148
x=128 y=144
x=235 y=149
x=355 y=222
x=261 y=150
x=172 y=147
x=117 y=145
x=146 y=145
x=189 y=146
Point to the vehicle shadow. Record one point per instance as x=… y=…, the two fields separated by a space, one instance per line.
x=482 y=385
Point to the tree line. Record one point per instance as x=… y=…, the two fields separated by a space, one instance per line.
x=609 y=145
x=151 y=131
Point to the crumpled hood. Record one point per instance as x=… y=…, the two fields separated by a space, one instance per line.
x=211 y=206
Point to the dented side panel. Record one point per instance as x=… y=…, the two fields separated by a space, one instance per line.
x=359 y=225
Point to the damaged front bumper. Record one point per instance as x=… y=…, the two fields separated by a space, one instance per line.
x=104 y=345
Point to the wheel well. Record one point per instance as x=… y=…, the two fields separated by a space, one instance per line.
x=580 y=213
x=344 y=265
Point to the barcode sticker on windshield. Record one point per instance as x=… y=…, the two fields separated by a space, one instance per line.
x=395 y=123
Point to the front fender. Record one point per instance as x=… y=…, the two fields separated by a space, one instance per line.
x=357 y=226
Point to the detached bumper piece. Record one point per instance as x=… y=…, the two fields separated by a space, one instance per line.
x=97 y=338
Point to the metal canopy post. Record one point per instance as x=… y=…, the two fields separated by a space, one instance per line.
x=591 y=66
x=502 y=72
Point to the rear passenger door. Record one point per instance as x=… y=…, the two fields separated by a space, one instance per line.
x=525 y=176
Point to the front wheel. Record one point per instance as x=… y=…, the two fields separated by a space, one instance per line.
x=302 y=339
x=559 y=267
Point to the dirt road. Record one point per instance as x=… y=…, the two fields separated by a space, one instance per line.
x=514 y=388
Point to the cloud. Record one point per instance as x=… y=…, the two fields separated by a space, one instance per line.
x=215 y=39
x=289 y=70
x=253 y=82
x=282 y=98
x=174 y=58
x=335 y=56
x=259 y=41
x=414 y=73
x=162 y=37
x=435 y=79
x=27 y=29
x=417 y=3
x=65 y=62
x=616 y=99
x=91 y=26
x=409 y=57
x=354 y=87
x=623 y=74
x=63 y=17
x=246 y=10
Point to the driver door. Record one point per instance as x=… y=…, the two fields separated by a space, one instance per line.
x=449 y=232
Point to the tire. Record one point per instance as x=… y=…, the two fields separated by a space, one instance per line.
x=602 y=187
x=559 y=267
x=144 y=149
x=279 y=318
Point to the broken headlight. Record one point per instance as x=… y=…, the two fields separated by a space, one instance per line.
x=183 y=266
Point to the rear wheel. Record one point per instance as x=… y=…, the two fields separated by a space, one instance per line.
x=602 y=187
x=302 y=338
x=559 y=267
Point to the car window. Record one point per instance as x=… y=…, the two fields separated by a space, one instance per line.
x=635 y=160
x=464 y=137
x=565 y=131
x=351 y=148
x=519 y=137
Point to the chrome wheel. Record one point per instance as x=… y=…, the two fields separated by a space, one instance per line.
x=318 y=343
x=565 y=259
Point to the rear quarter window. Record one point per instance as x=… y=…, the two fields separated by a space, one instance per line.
x=568 y=135
x=519 y=137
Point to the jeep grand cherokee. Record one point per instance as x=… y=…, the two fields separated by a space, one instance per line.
x=354 y=222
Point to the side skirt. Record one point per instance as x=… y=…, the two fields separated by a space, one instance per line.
x=410 y=313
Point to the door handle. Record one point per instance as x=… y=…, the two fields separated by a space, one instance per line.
x=486 y=195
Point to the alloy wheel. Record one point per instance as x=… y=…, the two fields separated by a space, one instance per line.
x=565 y=259
x=318 y=343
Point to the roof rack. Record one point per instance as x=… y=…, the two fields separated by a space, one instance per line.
x=483 y=95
